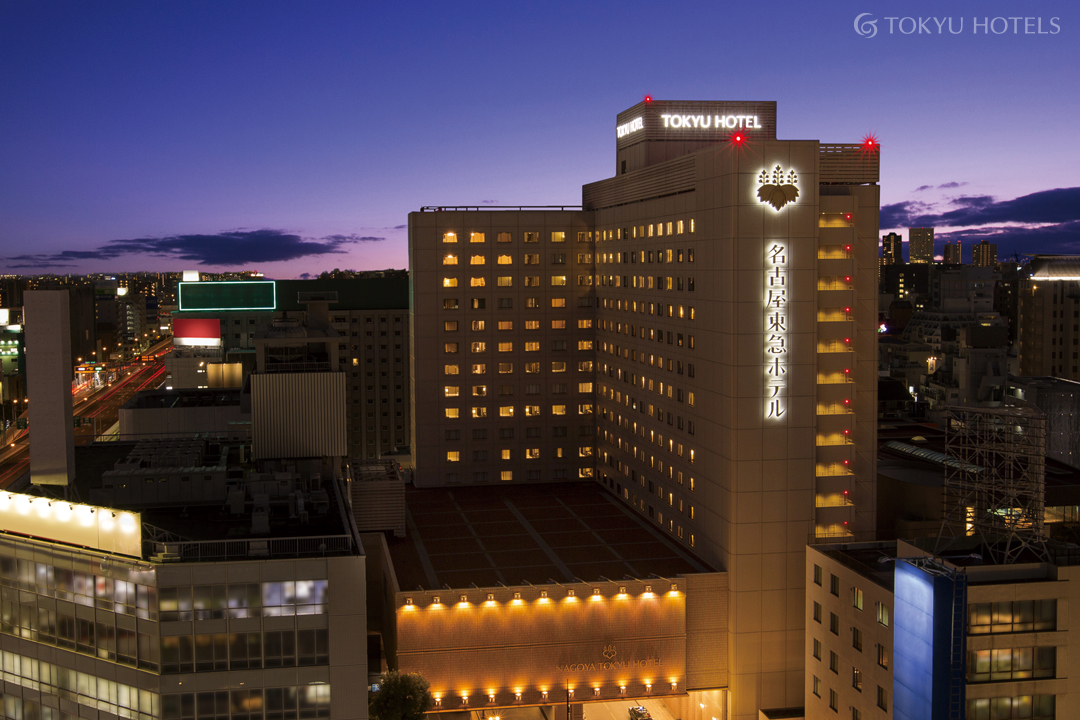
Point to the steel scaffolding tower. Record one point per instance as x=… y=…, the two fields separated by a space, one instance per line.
x=995 y=491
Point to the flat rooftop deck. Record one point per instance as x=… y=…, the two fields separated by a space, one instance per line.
x=522 y=534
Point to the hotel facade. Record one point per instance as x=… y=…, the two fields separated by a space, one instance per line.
x=698 y=338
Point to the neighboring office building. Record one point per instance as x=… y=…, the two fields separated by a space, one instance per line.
x=1050 y=317
x=535 y=329
x=907 y=282
x=368 y=316
x=984 y=254
x=881 y=641
x=195 y=593
x=921 y=245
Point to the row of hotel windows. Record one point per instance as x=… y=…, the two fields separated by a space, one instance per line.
x=507 y=390
x=670 y=525
x=279 y=703
x=658 y=309
x=658 y=465
x=660 y=229
x=508 y=303
x=508 y=454
x=646 y=282
x=673 y=447
x=1026 y=707
x=243 y=651
x=529 y=475
x=669 y=255
x=502 y=325
x=119 y=699
x=557 y=366
x=507 y=433
x=526 y=259
x=647 y=384
x=507 y=411
x=505 y=237
x=480 y=346
x=505 y=281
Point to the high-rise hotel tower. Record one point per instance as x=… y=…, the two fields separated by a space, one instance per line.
x=699 y=338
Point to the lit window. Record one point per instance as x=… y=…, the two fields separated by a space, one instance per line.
x=558 y=237
x=585 y=451
x=506 y=325
x=558 y=409
x=585 y=345
x=450 y=391
x=450 y=260
x=476 y=237
x=558 y=324
x=479 y=368
x=532 y=324
x=505 y=454
x=453 y=456
x=558 y=302
x=532 y=347
x=479 y=390
x=506 y=475
x=505 y=281
x=506 y=347
x=477 y=282
x=532 y=411
x=691 y=224
x=477 y=260
x=505 y=260
x=450 y=369
x=450 y=347
x=450 y=325
x=883 y=614
x=584 y=324
x=477 y=325
x=558 y=366
x=558 y=280
x=585 y=409
x=477 y=347
x=532 y=281
x=679 y=228
x=585 y=387
x=532 y=453
x=479 y=411
x=857 y=598
x=532 y=258
x=531 y=237
x=449 y=237
x=503 y=237
x=669 y=232
x=449 y=282
x=453 y=413
x=506 y=368
x=506 y=411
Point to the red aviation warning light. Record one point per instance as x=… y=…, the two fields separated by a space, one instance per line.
x=648 y=99
x=847 y=216
x=869 y=147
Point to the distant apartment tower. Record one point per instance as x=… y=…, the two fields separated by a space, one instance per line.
x=1049 y=325
x=892 y=249
x=954 y=253
x=921 y=245
x=984 y=254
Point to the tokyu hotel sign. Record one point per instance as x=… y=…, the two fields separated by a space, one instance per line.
x=694 y=120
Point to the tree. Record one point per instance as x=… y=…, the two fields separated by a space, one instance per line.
x=401 y=696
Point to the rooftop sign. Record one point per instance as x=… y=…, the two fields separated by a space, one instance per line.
x=101 y=528
x=228 y=295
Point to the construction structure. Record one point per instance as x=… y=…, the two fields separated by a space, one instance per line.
x=995 y=488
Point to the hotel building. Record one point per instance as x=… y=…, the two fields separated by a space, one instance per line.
x=698 y=338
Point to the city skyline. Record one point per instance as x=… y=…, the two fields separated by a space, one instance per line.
x=274 y=138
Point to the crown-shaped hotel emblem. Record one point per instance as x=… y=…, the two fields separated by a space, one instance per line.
x=778 y=190
x=609 y=651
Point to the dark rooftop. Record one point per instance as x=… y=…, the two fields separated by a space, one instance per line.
x=352 y=294
x=528 y=534
x=183 y=398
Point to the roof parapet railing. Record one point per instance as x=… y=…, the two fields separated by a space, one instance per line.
x=472 y=208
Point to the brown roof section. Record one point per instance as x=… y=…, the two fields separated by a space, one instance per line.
x=522 y=534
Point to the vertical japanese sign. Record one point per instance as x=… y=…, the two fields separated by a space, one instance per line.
x=776 y=330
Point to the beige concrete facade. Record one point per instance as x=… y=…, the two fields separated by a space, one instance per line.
x=735 y=356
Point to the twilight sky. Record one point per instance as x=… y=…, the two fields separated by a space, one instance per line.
x=295 y=137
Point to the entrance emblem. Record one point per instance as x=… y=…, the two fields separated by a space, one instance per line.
x=609 y=651
x=781 y=190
